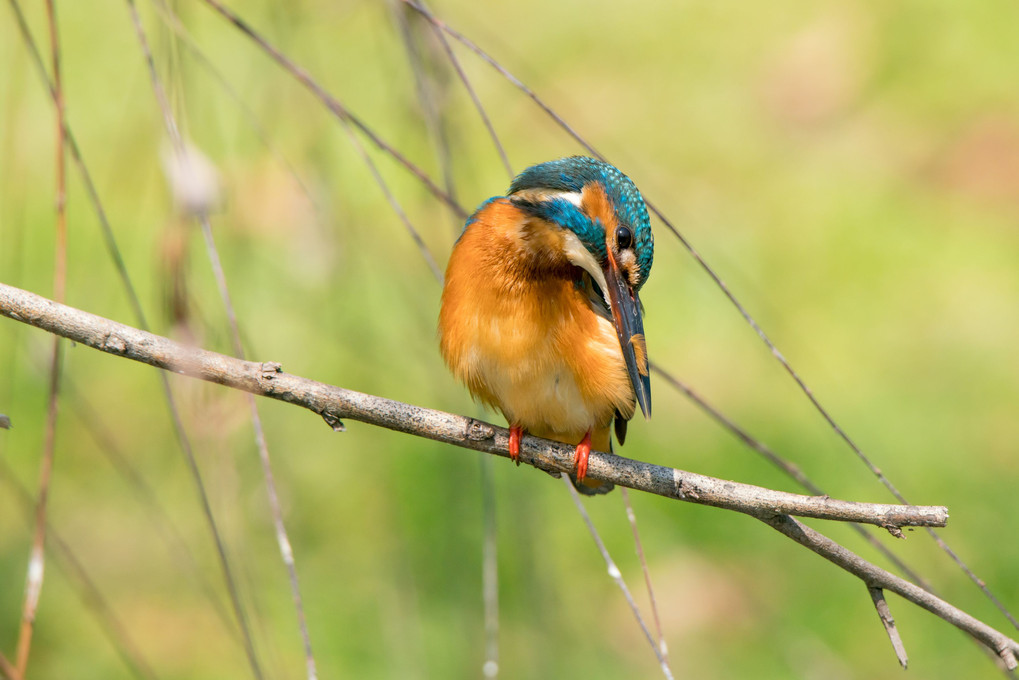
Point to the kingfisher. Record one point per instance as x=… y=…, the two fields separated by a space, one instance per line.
x=540 y=313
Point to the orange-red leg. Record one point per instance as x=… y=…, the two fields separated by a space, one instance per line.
x=516 y=432
x=581 y=456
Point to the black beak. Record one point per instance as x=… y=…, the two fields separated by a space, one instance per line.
x=625 y=306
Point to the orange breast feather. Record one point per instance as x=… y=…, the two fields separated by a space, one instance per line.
x=522 y=337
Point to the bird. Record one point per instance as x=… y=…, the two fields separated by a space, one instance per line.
x=540 y=314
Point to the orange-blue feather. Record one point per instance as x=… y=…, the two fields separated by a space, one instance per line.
x=517 y=329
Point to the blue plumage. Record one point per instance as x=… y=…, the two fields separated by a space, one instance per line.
x=547 y=327
x=571 y=175
x=560 y=211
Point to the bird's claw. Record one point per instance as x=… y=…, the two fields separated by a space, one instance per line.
x=516 y=433
x=581 y=455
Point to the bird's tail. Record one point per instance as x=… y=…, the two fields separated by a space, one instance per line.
x=592 y=487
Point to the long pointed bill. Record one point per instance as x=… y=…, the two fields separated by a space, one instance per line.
x=626 y=317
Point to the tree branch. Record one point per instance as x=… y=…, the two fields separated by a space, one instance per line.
x=875 y=577
x=335 y=403
x=885 y=614
x=7 y=669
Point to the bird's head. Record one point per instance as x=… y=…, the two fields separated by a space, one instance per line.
x=606 y=232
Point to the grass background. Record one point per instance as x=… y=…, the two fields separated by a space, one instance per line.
x=850 y=169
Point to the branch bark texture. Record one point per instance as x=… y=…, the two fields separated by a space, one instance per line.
x=336 y=403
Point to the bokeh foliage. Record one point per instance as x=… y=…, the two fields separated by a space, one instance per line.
x=850 y=169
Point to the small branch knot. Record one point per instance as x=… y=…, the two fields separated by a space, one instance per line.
x=477 y=431
x=893 y=530
x=334 y=422
x=114 y=344
x=270 y=369
x=690 y=492
x=1007 y=657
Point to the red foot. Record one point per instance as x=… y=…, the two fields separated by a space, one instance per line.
x=516 y=432
x=581 y=456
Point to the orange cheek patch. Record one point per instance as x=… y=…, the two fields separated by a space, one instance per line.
x=596 y=204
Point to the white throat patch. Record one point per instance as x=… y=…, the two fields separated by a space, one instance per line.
x=578 y=255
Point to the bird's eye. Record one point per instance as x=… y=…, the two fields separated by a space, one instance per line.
x=624 y=238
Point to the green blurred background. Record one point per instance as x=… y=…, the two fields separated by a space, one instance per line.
x=851 y=169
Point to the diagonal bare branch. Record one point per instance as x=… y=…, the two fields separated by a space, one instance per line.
x=878 y=596
x=617 y=576
x=724 y=288
x=174 y=131
x=787 y=466
x=334 y=105
x=663 y=648
x=478 y=106
x=37 y=556
x=334 y=403
x=88 y=590
x=7 y=669
x=1005 y=647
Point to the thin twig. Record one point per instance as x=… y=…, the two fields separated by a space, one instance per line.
x=428 y=96
x=90 y=188
x=7 y=669
x=334 y=403
x=174 y=132
x=875 y=577
x=108 y=238
x=490 y=571
x=721 y=285
x=638 y=545
x=474 y=99
x=796 y=473
x=37 y=556
x=391 y=199
x=348 y=120
x=788 y=467
x=473 y=47
x=90 y=594
x=170 y=18
x=276 y=509
x=662 y=651
x=335 y=106
x=147 y=497
x=282 y=539
x=114 y=251
x=429 y=93
x=885 y=614
x=616 y=575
